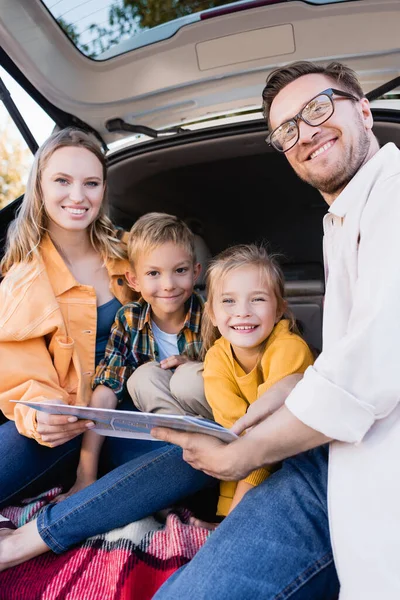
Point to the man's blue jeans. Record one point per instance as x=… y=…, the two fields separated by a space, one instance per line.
x=274 y=545
x=144 y=477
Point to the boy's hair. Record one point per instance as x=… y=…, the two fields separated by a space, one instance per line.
x=341 y=75
x=235 y=257
x=30 y=225
x=154 y=229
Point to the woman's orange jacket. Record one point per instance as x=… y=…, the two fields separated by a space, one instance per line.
x=48 y=334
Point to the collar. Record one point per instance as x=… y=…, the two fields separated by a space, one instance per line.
x=61 y=277
x=194 y=304
x=383 y=162
x=145 y=314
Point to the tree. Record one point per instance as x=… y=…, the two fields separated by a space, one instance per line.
x=73 y=35
x=125 y=19
x=15 y=161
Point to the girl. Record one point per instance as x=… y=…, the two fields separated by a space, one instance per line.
x=64 y=279
x=250 y=341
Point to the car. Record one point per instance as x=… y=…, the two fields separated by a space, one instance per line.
x=177 y=108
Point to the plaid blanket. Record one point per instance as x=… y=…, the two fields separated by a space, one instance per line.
x=126 y=563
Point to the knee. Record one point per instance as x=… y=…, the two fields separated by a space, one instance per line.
x=138 y=382
x=187 y=381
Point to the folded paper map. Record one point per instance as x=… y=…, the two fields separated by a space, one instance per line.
x=131 y=423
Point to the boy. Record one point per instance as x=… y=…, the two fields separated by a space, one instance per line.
x=154 y=344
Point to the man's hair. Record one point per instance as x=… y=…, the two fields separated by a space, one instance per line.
x=345 y=77
x=154 y=229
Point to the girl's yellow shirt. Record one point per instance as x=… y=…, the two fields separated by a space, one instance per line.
x=230 y=391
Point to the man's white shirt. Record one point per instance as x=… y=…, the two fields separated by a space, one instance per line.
x=352 y=391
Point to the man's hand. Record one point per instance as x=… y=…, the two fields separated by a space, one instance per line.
x=172 y=362
x=206 y=453
x=267 y=404
x=274 y=439
x=59 y=429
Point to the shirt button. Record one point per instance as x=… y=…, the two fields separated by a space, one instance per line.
x=120 y=281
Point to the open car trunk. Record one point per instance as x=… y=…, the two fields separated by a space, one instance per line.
x=241 y=191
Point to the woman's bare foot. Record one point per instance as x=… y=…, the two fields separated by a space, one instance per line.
x=204 y=524
x=20 y=545
x=79 y=485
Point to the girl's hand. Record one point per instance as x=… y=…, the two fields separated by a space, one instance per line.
x=268 y=403
x=256 y=413
x=59 y=429
x=174 y=361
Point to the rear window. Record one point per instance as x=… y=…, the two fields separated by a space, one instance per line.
x=98 y=28
x=102 y=29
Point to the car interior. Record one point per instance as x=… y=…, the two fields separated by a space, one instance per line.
x=231 y=189
x=164 y=82
x=240 y=191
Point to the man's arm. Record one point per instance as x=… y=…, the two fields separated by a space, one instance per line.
x=278 y=437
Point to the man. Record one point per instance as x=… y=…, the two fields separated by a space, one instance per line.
x=278 y=542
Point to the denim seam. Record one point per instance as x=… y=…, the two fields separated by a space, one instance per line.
x=304 y=577
x=38 y=476
x=311 y=487
x=44 y=529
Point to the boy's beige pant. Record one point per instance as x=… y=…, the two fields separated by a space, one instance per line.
x=179 y=392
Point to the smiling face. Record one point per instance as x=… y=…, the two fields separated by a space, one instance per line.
x=165 y=277
x=329 y=155
x=73 y=188
x=244 y=309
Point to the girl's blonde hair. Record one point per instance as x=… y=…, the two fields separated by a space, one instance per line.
x=30 y=225
x=235 y=257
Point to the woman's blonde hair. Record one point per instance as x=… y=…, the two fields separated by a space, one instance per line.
x=30 y=225
x=236 y=257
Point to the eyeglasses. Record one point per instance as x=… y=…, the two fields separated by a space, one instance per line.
x=318 y=110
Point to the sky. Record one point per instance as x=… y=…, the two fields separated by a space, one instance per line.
x=37 y=120
x=78 y=12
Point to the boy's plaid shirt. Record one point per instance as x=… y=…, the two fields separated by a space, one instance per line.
x=131 y=342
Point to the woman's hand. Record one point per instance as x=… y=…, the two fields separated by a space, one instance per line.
x=59 y=429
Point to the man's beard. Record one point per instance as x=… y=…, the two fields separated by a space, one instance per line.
x=346 y=168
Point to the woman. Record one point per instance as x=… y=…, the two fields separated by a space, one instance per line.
x=63 y=283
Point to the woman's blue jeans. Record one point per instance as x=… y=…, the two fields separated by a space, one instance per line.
x=144 y=477
x=274 y=545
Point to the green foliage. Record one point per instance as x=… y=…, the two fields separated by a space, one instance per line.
x=131 y=17
x=73 y=35
x=15 y=161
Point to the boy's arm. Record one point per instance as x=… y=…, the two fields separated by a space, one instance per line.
x=102 y=397
x=92 y=442
x=118 y=362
